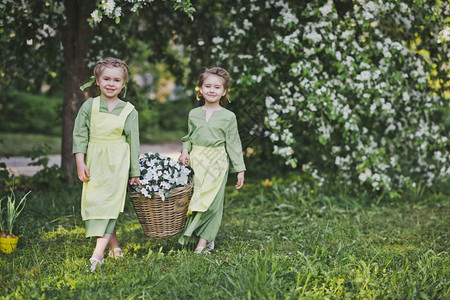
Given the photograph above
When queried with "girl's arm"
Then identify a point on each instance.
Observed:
(234, 151)
(131, 130)
(233, 146)
(81, 128)
(82, 170)
(240, 180)
(185, 158)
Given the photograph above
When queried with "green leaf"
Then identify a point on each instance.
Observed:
(322, 140)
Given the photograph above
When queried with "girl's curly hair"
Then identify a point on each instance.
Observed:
(218, 71)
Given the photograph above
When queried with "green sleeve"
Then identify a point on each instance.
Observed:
(131, 130)
(186, 140)
(81, 128)
(234, 147)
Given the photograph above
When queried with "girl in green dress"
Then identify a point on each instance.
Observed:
(213, 148)
(106, 148)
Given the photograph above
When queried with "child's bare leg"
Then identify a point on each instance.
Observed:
(114, 245)
(99, 251)
(113, 242)
(201, 244)
(102, 243)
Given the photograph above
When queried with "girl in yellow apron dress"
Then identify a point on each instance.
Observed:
(213, 148)
(106, 148)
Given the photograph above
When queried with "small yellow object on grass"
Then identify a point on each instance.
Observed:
(8, 244)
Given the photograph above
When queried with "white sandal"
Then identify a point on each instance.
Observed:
(112, 253)
(95, 262)
(205, 250)
(210, 245)
(199, 250)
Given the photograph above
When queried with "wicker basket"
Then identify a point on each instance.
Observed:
(161, 219)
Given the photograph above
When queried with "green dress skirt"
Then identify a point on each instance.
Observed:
(210, 166)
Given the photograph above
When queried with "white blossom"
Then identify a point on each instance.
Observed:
(217, 40)
(118, 12)
(444, 35)
(364, 76)
(108, 6)
(96, 16)
(314, 36)
(326, 9)
(159, 174)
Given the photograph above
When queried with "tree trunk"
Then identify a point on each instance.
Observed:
(75, 36)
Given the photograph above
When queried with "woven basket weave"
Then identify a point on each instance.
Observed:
(161, 219)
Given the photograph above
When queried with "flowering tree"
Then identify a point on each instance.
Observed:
(113, 8)
(53, 41)
(347, 97)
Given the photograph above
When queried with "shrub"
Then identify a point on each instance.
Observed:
(24, 112)
(347, 97)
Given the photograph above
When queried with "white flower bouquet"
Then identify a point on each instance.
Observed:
(160, 174)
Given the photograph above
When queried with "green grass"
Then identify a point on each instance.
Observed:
(276, 242)
(22, 144)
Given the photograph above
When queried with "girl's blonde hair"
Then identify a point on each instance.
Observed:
(218, 71)
(111, 62)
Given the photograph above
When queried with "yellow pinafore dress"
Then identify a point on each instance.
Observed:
(108, 162)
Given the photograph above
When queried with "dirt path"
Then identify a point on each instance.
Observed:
(19, 165)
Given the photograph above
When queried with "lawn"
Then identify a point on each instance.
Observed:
(279, 240)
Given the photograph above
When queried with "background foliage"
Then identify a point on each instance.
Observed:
(349, 92)
(27, 113)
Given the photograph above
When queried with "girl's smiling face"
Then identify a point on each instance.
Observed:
(212, 89)
(111, 83)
